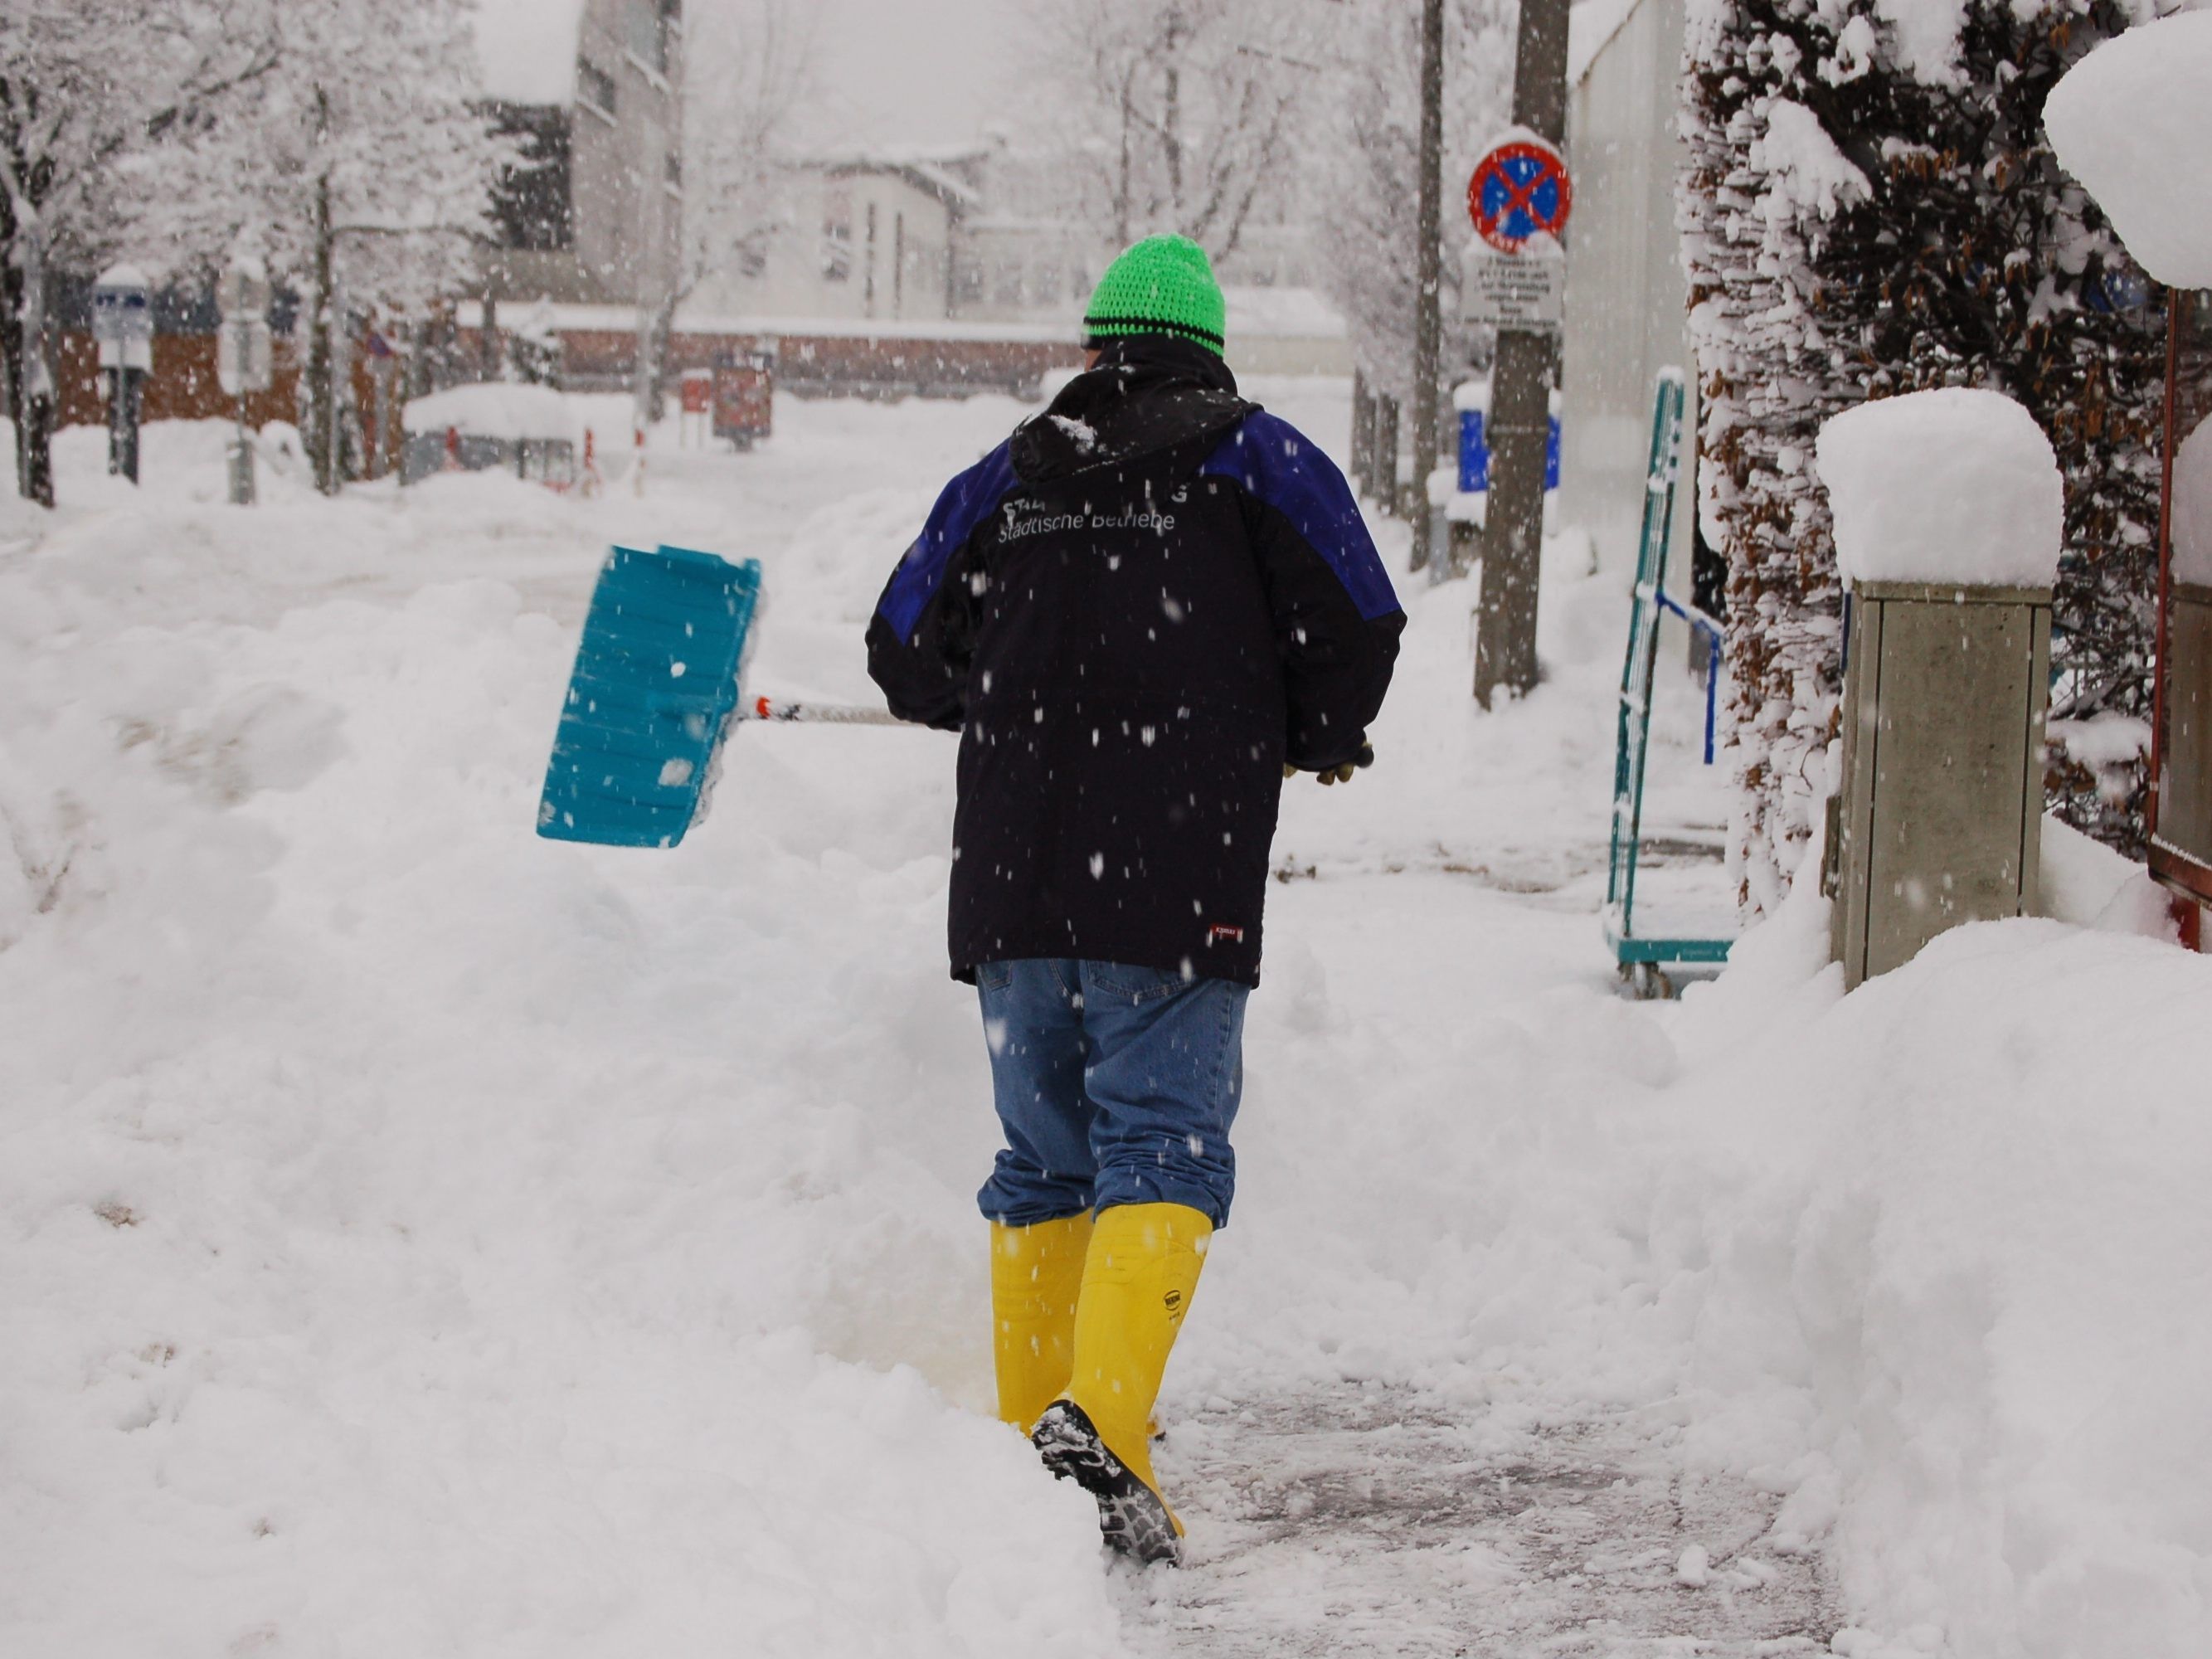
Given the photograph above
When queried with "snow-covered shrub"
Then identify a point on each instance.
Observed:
(1870, 207)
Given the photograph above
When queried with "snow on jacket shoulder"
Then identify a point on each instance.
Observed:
(1134, 610)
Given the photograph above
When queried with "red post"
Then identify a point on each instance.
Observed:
(452, 449)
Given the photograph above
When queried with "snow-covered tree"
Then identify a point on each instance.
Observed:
(96, 97)
(751, 69)
(1364, 162)
(363, 172)
(1181, 111)
(1870, 208)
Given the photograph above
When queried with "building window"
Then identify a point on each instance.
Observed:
(531, 203)
(837, 239)
(595, 87)
(645, 33)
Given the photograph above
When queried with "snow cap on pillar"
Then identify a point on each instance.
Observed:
(1955, 486)
(2133, 122)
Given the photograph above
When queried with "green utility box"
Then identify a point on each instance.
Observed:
(1939, 818)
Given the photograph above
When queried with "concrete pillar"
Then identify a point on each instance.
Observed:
(1940, 821)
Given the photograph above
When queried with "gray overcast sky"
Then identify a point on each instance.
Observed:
(918, 71)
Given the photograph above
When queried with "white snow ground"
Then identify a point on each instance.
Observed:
(417, 1237)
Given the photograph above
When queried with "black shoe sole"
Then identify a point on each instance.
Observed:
(1131, 1516)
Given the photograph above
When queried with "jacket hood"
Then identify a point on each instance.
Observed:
(1146, 394)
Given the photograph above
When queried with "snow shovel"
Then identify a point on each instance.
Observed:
(650, 699)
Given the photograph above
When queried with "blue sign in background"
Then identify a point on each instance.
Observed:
(1475, 454)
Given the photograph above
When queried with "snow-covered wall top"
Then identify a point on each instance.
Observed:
(526, 49)
(495, 409)
(1591, 25)
(1952, 487)
(2133, 122)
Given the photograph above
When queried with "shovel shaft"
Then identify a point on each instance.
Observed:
(823, 714)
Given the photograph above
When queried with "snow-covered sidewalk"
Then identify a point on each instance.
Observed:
(419, 1238)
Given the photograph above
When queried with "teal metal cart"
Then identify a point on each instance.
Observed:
(1643, 959)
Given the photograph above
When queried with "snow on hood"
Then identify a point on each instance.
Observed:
(2131, 121)
(526, 49)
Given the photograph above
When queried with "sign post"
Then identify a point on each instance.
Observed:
(123, 323)
(244, 359)
(1514, 276)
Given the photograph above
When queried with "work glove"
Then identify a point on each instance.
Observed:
(1339, 773)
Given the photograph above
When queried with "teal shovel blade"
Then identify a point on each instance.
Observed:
(654, 688)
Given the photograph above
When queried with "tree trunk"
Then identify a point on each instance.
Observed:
(30, 380)
(1122, 190)
(322, 381)
(1171, 135)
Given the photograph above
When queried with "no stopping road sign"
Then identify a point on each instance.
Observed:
(1520, 190)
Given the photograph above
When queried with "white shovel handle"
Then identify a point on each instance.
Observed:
(823, 714)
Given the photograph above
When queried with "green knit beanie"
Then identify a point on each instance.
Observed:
(1162, 285)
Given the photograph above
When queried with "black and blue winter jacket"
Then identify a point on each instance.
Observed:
(1134, 610)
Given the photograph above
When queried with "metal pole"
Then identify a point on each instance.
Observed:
(128, 383)
(118, 437)
(1521, 404)
(1428, 329)
(1386, 455)
(241, 460)
(1363, 436)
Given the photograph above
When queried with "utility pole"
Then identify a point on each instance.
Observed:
(1520, 404)
(1428, 329)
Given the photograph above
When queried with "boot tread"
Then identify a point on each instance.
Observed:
(1131, 1518)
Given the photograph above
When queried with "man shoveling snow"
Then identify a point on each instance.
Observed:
(1142, 611)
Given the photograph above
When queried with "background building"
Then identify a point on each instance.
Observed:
(1627, 300)
(593, 88)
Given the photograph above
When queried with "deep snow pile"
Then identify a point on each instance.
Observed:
(2132, 123)
(422, 1237)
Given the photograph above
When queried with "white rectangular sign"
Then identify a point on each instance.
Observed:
(1511, 290)
(245, 360)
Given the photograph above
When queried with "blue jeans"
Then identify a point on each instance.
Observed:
(1114, 1085)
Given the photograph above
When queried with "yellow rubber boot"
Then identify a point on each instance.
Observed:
(1137, 1281)
(1036, 1273)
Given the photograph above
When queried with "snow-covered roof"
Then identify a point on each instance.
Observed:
(526, 49)
(1591, 25)
(930, 170)
(2132, 121)
(623, 319)
(494, 410)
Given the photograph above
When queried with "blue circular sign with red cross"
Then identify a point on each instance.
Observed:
(1519, 189)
